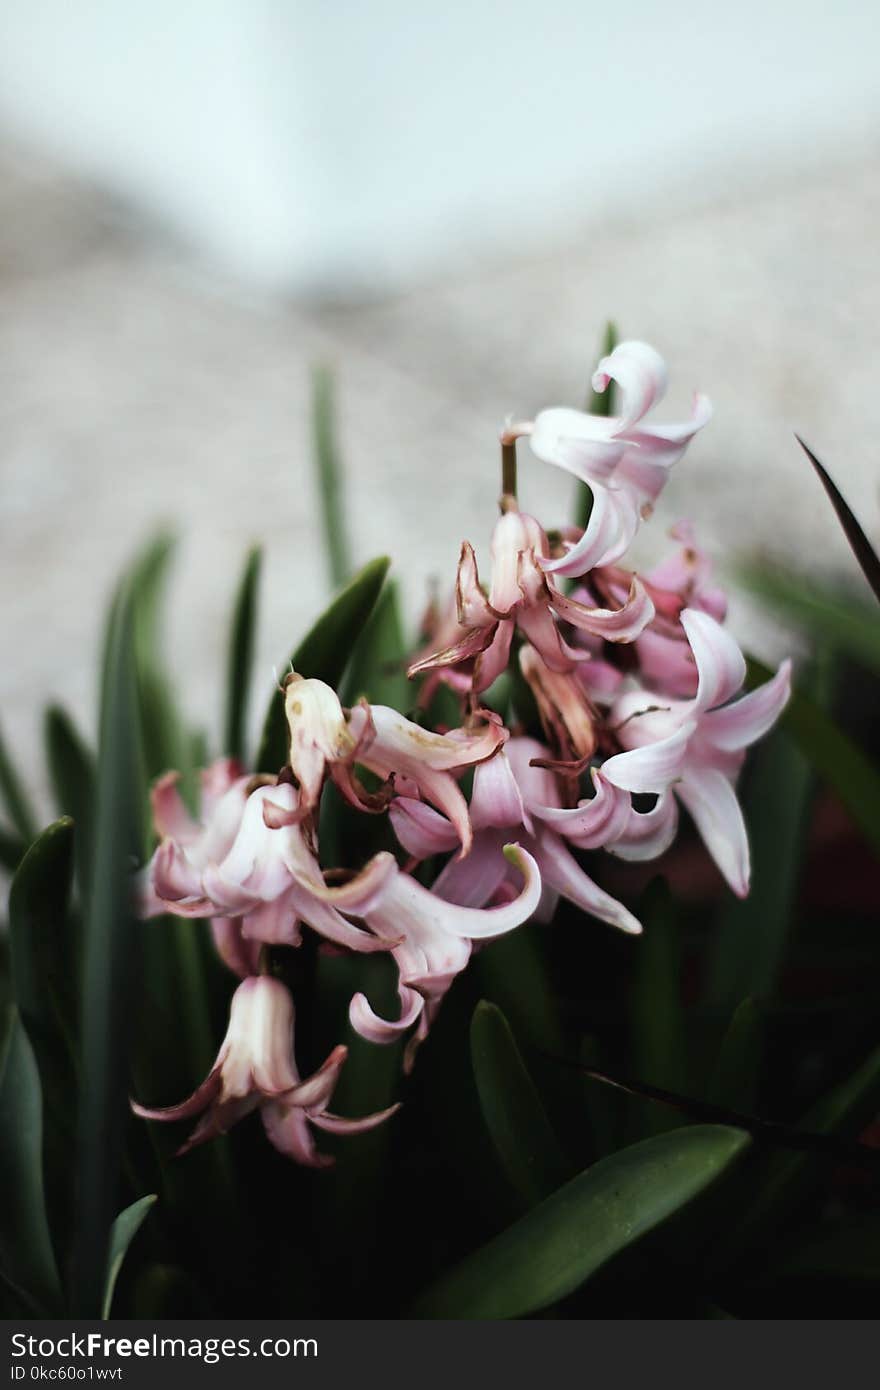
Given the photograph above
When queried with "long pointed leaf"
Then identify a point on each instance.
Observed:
(324, 652)
(658, 1030)
(123, 1232)
(752, 933)
(524, 1140)
(556, 1246)
(859, 543)
(26, 1256)
(833, 754)
(328, 470)
(14, 797)
(109, 938)
(72, 770)
(241, 656)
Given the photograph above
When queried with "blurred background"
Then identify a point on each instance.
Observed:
(200, 202)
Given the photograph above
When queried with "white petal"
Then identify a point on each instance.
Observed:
(721, 666)
(711, 800)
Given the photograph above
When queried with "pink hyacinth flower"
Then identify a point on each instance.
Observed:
(269, 877)
(623, 459)
(325, 739)
(432, 935)
(514, 794)
(256, 1069)
(697, 747)
(523, 596)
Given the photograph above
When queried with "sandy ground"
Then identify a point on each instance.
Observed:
(136, 391)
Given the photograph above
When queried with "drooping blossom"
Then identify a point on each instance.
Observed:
(256, 1069)
(523, 596)
(697, 747)
(224, 791)
(432, 934)
(623, 458)
(517, 793)
(269, 877)
(325, 739)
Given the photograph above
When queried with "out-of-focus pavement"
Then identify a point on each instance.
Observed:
(134, 390)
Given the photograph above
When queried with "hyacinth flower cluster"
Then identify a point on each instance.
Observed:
(638, 690)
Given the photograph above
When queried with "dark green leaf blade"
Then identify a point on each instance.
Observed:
(241, 655)
(26, 1256)
(658, 1029)
(122, 1233)
(556, 1246)
(785, 1178)
(108, 967)
(752, 933)
(524, 1140)
(734, 1077)
(72, 771)
(14, 796)
(859, 543)
(832, 753)
(328, 470)
(324, 652)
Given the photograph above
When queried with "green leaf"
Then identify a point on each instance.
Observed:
(328, 470)
(164, 741)
(658, 1031)
(26, 1256)
(833, 755)
(848, 1250)
(786, 1178)
(845, 624)
(734, 1079)
(122, 1233)
(42, 959)
(72, 771)
(324, 653)
(11, 850)
(517, 1122)
(859, 543)
(556, 1246)
(752, 933)
(378, 662)
(108, 968)
(14, 797)
(241, 655)
(598, 403)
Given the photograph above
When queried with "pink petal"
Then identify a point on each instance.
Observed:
(340, 1124)
(613, 523)
(170, 815)
(749, 718)
(657, 447)
(493, 660)
(200, 1099)
(561, 872)
(640, 374)
(591, 824)
(239, 955)
(287, 1129)
(582, 444)
(472, 882)
(471, 603)
(496, 799)
(652, 768)
(713, 805)
(648, 834)
(421, 830)
(612, 625)
(721, 665)
(365, 1021)
(538, 625)
(472, 641)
